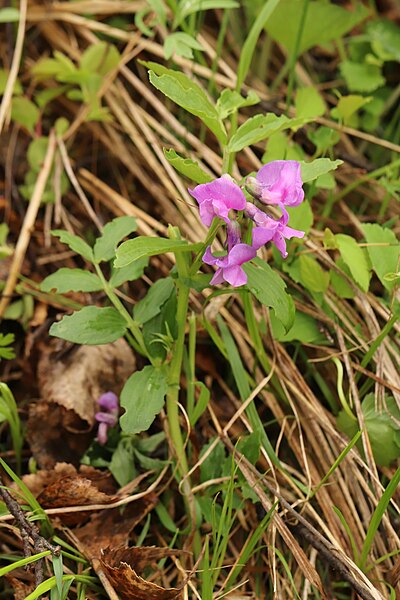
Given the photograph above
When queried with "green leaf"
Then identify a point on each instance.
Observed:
(384, 259)
(362, 77)
(323, 138)
(316, 168)
(181, 44)
(230, 101)
(382, 427)
(189, 95)
(339, 284)
(100, 58)
(122, 464)
(131, 250)
(304, 330)
(201, 403)
(129, 273)
(91, 325)
(75, 243)
(258, 128)
(269, 289)
(309, 103)
(190, 7)
(113, 233)
(151, 304)
(348, 106)
(247, 51)
(4, 75)
(9, 15)
(187, 167)
(142, 398)
(44, 97)
(71, 280)
(25, 113)
(313, 277)
(302, 216)
(324, 22)
(385, 39)
(355, 258)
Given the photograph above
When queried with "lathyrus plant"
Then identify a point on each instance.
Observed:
(239, 214)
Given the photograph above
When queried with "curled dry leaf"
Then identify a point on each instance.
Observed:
(21, 589)
(77, 379)
(63, 486)
(123, 567)
(70, 383)
(110, 527)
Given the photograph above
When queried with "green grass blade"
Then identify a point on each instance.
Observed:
(23, 562)
(377, 517)
(249, 46)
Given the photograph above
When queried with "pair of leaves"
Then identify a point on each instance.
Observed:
(189, 95)
(382, 427)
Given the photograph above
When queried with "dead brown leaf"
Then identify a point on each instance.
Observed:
(21, 589)
(77, 379)
(123, 565)
(111, 527)
(63, 486)
(70, 380)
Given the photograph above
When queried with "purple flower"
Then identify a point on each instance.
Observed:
(278, 182)
(108, 417)
(230, 266)
(269, 230)
(217, 198)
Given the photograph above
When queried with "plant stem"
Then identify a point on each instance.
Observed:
(137, 341)
(296, 53)
(175, 368)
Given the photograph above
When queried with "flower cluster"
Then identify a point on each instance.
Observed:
(107, 417)
(278, 183)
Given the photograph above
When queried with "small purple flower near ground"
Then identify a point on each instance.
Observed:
(217, 198)
(278, 182)
(269, 230)
(108, 416)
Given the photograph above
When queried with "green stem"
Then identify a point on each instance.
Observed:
(368, 177)
(212, 232)
(296, 52)
(136, 340)
(175, 368)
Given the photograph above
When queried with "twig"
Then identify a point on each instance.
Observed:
(28, 531)
(19, 44)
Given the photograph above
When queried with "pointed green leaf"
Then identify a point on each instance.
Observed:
(258, 128)
(188, 94)
(355, 258)
(131, 250)
(269, 289)
(314, 169)
(91, 325)
(383, 252)
(131, 272)
(113, 233)
(142, 398)
(71, 280)
(187, 167)
(76, 243)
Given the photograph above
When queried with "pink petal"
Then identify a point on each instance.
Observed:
(280, 243)
(235, 276)
(240, 254)
(289, 232)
